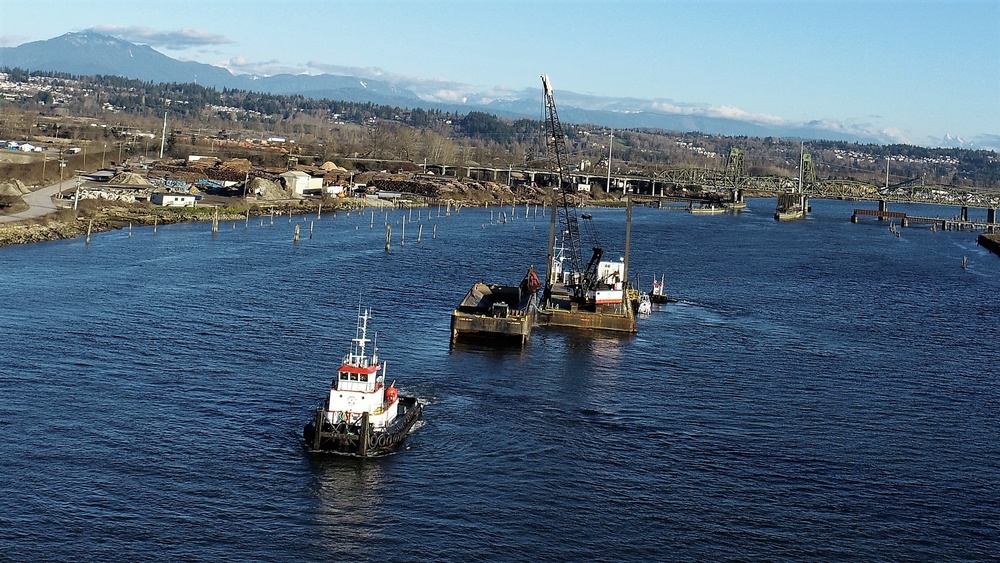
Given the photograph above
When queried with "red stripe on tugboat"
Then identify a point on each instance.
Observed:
(361, 416)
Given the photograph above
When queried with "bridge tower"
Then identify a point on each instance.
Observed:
(736, 166)
(808, 169)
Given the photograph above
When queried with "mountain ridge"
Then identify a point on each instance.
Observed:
(90, 53)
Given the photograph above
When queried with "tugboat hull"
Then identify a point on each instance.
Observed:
(349, 439)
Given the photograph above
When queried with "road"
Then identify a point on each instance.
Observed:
(40, 202)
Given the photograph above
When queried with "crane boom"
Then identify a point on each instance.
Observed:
(566, 210)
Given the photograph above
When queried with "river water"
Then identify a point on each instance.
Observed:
(822, 391)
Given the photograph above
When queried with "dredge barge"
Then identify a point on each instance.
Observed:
(362, 416)
(595, 296)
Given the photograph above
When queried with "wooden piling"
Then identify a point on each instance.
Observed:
(90, 225)
(402, 233)
(296, 236)
(435, 235)
(311, 224)
(155, 217)
(420, 231)
(130, 229)
(246, 225)
(388, 236)
(319, 212)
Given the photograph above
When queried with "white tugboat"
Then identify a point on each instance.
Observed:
(362, 416)
(659, 294)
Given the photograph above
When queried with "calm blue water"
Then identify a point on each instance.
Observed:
(823, 391)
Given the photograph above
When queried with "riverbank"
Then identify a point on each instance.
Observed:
(96, 216)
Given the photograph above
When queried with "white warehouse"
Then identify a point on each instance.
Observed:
(297, 182)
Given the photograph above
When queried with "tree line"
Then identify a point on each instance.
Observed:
(330, 128)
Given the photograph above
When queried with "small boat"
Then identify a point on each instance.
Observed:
(711, 209)
(658, 295)
(497, 313)
(362, 416)
(645, 306)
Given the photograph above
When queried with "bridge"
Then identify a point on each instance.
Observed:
(728, 186)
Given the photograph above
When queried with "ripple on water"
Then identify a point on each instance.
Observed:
(818, 376)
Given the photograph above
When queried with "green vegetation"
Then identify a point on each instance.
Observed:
(208, 120)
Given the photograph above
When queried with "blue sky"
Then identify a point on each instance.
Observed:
(912, 70)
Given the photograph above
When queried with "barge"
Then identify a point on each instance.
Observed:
(497, 314)
(592, 296)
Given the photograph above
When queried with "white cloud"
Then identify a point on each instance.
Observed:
(724, 112)
(240, 65)
(175, 40)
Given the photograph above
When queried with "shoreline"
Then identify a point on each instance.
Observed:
(67, 224)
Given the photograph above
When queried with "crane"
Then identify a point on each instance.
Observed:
(585, 279)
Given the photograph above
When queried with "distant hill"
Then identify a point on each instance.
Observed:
(89, 53)
(94, 53)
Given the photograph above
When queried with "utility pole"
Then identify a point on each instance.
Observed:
(79, 180)
(62, 164)
(611, 144)
(163, 136)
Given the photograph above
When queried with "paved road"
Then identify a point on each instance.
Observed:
(40, 202)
